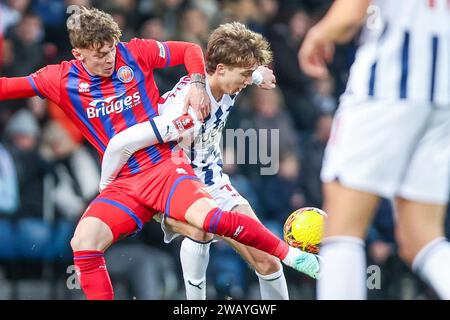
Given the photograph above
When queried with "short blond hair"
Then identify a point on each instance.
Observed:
(234, 45)
(92, 29)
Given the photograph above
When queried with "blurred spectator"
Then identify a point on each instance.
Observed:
(285, 39)
(23, 134)
(153, 28)
(268, 12)
(210, 8)
(11, 12)
(313, 150)
(281, 194)
(77, 173)
(245, 11)
(122, 17)
(9, 192)
(269, 113)
(27, 48)
(168, 10)
(194, 27)
(52, 12)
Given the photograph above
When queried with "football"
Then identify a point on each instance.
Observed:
(303, 229)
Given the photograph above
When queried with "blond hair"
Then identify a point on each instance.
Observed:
(92, 29)
(232, 44)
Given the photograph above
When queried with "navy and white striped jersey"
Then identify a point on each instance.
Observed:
(204, 151)
(404, 52)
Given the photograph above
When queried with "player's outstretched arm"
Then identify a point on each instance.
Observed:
(339, 25)
(16, 88)
(170, 126)
(121, 147)
(191, 56)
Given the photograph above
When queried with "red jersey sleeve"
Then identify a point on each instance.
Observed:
(15, 88)
(46, 82)
(155, 54)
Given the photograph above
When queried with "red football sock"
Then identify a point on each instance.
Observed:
(92, 274)
(245, 230)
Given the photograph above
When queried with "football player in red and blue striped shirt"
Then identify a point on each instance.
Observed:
(106, 89)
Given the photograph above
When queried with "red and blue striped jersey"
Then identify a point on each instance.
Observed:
(104, 106)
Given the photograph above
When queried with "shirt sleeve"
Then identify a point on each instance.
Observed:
(155, 54)
(121, 147)
(16, 88)
(46, 82)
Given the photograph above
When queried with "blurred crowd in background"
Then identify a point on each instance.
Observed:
(49, 174)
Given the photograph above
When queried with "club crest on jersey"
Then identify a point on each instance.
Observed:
(84, 87)
(125, 74)
(184, 122)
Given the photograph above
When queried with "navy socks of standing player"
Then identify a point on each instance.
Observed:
(93, 276)
(245, 230)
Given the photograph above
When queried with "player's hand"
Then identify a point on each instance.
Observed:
(198, 99)
(269, 81)
(315, 52)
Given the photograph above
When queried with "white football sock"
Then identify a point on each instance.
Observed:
(273, 286)
(343, 269)
(432, 263)
(292, 254)
(194, 258)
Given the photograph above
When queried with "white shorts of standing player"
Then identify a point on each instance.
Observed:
(391, 148)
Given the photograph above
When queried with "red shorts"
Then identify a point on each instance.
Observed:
(129, 202)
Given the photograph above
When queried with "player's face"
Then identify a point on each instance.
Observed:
(235, 79)
(98, 62)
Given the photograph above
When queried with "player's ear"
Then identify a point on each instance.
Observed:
(77, 54)
(220, 69)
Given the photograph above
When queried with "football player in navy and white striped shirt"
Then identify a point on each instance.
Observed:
(390, 138)
(227, 75)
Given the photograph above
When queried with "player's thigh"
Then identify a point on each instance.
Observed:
(224, 196)
(173, 188)
(427, 178)
(371, 142)
(112, 216)
(349, 211)
(187, 230)
(417, 224)
(91, 233)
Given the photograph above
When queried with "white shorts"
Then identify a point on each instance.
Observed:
(225, 196)
(390, 148)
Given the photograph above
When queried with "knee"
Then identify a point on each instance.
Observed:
(83, 241)
(267, 264)
(199, 235)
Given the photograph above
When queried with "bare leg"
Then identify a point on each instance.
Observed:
(422, 244)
